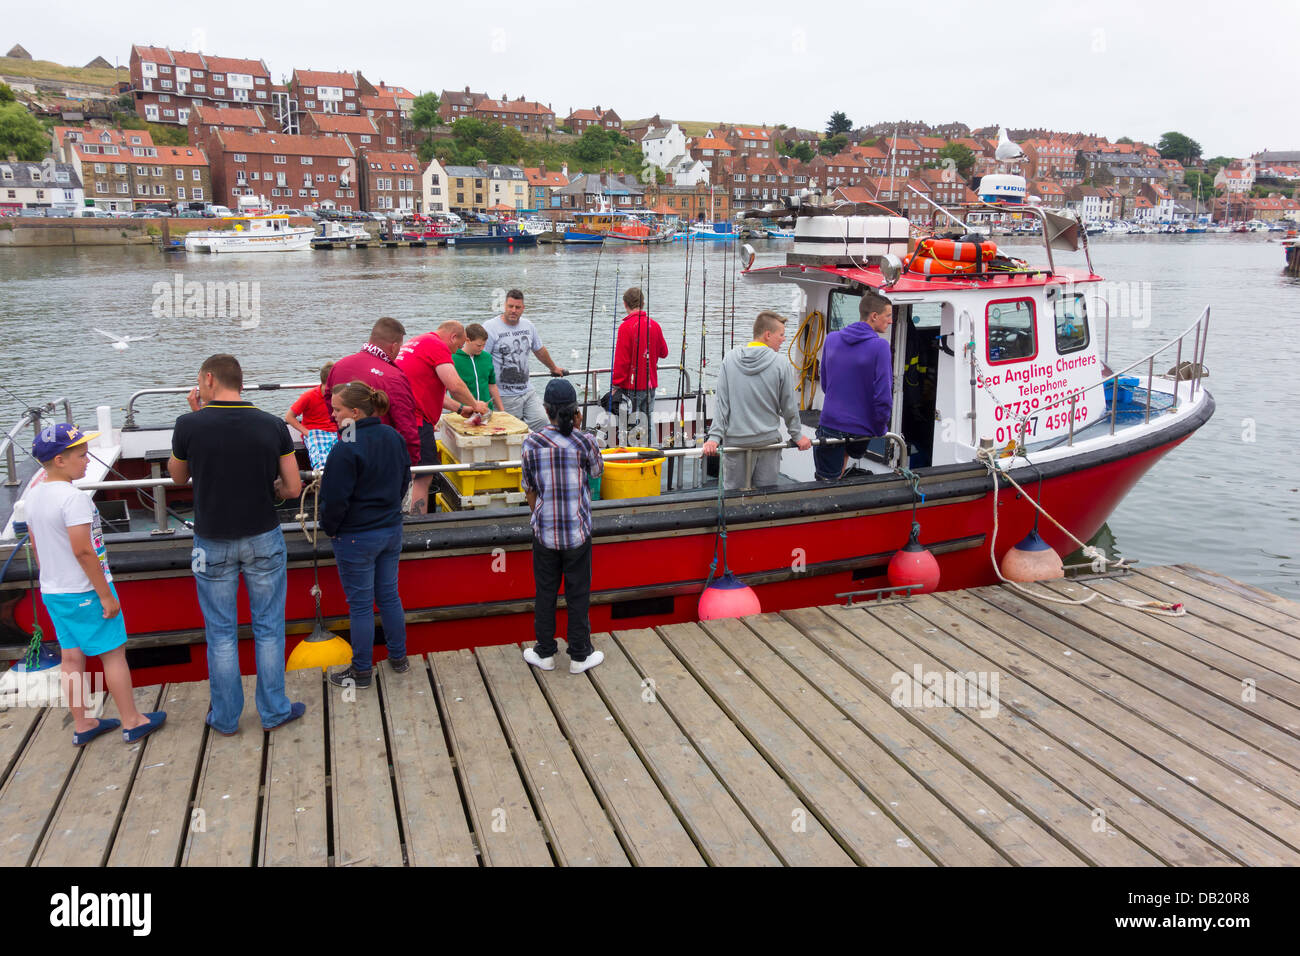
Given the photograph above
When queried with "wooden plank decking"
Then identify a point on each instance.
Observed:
(1112, 737)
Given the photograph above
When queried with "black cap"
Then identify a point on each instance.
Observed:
(560, 391)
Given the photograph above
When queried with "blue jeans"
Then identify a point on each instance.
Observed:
(217, 563)
(367, 563)
(830, 460)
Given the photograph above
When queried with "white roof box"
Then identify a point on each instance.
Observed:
(848, 240)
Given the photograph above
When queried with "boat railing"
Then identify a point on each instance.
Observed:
(33, 417)
(1199, 331)
(129, 423)
(898, 453)
(602, 371)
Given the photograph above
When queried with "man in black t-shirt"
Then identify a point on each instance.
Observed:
(241, 459)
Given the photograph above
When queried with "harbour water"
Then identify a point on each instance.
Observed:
(1227, 499)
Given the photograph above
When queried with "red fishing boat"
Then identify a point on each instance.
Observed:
(1001, 374)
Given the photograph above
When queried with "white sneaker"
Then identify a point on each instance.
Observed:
(545, 663)
(594, 658)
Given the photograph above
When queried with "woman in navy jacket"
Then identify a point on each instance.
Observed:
(366, 477)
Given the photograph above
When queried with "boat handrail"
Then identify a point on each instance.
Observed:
(597, 371)
(185, 390)
(895, 440)
(1201, 329)
(31, 416)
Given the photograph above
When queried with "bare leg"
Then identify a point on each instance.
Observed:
(420, 494)
(75, 680)
(117, 675)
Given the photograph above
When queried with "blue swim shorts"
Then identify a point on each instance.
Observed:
(79, 622)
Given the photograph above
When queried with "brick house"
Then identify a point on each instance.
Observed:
(360, 131)
(842, 169)
(290, 171)
(758, 180)
(168, 85)
(749, 140)
(390, 119)
(524, 115)
(390, 181)
(699, 203)
(579, 120)
(1048, 158)
(542, 183)
(710, 149)
(206, 120)
(588, 191)
(466, 189)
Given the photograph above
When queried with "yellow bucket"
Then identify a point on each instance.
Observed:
(631, 479)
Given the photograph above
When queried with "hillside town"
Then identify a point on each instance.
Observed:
(330, 140)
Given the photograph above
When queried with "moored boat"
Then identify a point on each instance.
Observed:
(1002, 375)
(269, 233)
(494, 234)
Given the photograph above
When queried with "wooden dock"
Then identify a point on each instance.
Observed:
(1112, 737)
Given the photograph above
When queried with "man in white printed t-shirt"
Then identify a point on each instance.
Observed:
(511, 338)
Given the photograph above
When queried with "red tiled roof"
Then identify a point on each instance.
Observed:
(284, 143)
(180, 156)
(512, 106)
(226, 64)
(904, 142)
(854, 194)
(323, 78)
(400, 92)
(552, 178)
(193, 61)
(931, 142)
(154, 54)
(378, 103)
(711, 142)
(117, 137)
(584, 115)
(344, 123)
(749, 132)
(228, 116)
(401, 161)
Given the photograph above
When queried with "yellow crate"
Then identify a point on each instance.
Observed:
(478, 482)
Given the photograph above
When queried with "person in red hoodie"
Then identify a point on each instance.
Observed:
(637, 352)
(375, 365)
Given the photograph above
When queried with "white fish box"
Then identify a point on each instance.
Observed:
(450, 501)
(501, 439)
(846, 240)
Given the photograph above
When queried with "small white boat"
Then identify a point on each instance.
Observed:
(536, 225)
(252, 234)
(340, 234)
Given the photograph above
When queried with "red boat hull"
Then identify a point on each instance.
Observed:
(795, 564)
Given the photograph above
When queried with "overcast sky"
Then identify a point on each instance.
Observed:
(1224, 74)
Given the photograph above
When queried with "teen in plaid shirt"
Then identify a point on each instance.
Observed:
(557, 461)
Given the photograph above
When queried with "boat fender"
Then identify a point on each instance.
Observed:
(728, 596)
(1032, 560)
(914, 565)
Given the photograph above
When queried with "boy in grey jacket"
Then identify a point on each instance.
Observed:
(755, 391)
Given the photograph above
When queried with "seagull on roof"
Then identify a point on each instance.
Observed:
(1007, 151)
(122, 342)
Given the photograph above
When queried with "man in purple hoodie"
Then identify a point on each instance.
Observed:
(858, 379)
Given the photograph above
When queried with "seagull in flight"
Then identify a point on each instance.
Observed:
(122, 342)
(1007, 151)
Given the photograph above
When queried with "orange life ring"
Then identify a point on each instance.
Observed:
(955, 251)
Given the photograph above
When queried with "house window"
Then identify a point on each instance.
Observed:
(99, 188)
(200, 88)
(196, 177)
(279, 160)
(196, 193)
(142, 190)
(101, 168)
(180, 192)
(180, 175)
(119, 169)
(1010, 330)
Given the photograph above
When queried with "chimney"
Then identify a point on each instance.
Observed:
(564, 170)
(467, 89)
(541, 168)
(482, 164)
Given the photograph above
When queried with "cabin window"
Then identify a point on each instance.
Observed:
(1071, 323)
(843, 310)
(1010, 330)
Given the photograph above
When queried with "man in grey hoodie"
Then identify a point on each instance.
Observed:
(755, 392)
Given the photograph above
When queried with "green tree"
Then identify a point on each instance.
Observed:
(21, 134)
(1212, 166)
(838, 123)
(962, 156)
(424, 111)
(1175, 145)
(832, 144)
(803, 152)
(1125, 141)
(6, 94)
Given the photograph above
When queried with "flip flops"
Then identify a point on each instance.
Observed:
(104, 726)
(156, 719)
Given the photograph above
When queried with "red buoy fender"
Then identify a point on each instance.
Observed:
(728, 596)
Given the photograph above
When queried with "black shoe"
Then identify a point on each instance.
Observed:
(351, 676)
(400, 665)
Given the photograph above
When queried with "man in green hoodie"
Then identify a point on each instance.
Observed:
(755, 392)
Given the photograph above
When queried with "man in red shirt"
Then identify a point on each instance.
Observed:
(375, 366)
(426, 362)
(637, 353)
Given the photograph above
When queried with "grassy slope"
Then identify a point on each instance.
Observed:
(45, 70)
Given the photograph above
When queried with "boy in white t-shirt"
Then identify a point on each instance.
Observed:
(77, 586)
